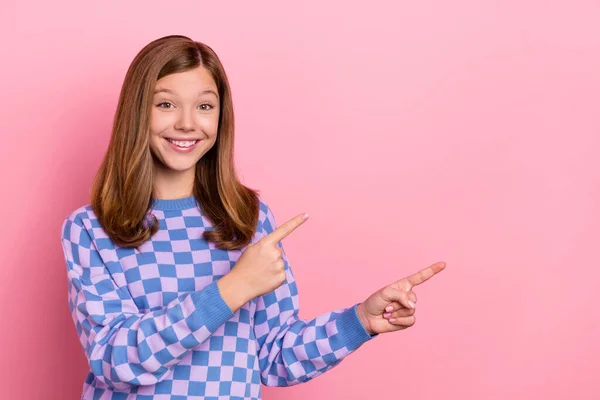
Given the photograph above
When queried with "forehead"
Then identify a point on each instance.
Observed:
(192, 82)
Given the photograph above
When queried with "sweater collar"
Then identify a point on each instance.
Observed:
(184, 203)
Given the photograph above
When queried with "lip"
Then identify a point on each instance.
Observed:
(183, 139)
(181, 149)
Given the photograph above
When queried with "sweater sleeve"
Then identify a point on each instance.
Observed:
(293, 350)
(126, 347)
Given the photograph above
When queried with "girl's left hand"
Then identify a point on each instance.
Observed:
(392, 308)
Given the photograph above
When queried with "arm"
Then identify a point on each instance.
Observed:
(123, 345)
(292, 350)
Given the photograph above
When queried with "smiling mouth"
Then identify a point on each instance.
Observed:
(184, 144)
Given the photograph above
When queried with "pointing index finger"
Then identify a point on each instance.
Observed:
(425, 274)
(285, 229)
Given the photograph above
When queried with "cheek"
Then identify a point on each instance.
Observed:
(158, 122)
(210, 125)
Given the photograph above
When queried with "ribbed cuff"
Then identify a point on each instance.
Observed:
(211, 309)
(351, 329)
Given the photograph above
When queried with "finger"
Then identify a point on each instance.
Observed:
(392, 294)
(412, 296)
(425, 274)
(285, 229)
(393, 306)
(404, 321)
(403, 312)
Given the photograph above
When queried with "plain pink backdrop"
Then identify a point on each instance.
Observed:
(412, 132)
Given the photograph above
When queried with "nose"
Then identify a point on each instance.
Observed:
(185, 122)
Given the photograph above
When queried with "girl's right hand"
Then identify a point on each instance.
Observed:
(260, 268)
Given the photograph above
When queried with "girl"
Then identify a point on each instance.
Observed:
(179, 287)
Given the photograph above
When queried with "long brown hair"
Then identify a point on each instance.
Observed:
(122, 190)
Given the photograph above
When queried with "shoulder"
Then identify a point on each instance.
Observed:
(264, 209)
(81, 219)
(266, 217)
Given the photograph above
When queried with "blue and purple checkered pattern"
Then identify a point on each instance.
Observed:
(153, 324)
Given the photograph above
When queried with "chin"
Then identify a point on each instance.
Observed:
(180, 168)
(173, 165)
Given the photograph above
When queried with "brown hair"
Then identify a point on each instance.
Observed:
(122, 190)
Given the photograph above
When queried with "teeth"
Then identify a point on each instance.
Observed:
(186, 143)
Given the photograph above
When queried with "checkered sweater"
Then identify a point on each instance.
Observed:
(153, 324)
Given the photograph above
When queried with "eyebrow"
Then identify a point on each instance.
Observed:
(199, 94)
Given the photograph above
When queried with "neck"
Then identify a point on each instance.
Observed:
(170, 184)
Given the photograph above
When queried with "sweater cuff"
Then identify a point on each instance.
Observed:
(351, 329)
(211, 309)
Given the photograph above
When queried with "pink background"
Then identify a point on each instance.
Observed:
(412, 132)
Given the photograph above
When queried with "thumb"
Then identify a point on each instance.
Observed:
(392, 294)
(395, 306)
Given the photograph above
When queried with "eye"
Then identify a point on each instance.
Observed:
(209, 106)
(165, 102)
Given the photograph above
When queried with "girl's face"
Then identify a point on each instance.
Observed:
(184, 119)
